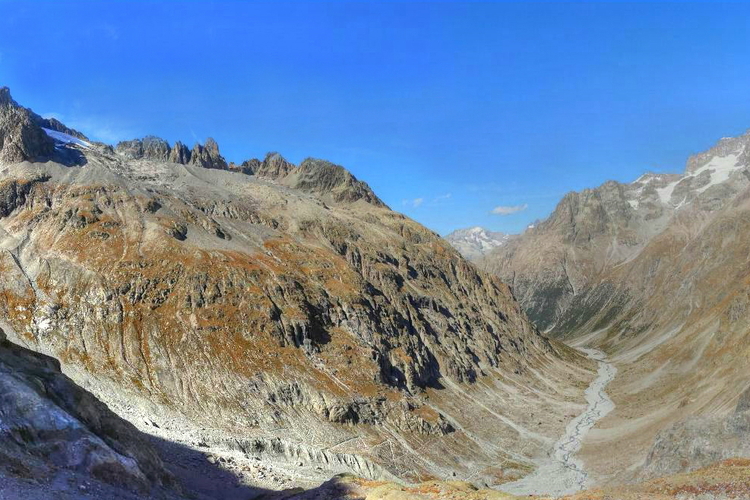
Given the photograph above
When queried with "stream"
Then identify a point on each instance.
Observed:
(561, 473)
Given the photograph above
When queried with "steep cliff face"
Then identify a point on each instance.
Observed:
(20, 137)
(656, 273)
(290, 305)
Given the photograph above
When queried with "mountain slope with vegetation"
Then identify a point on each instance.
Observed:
(656, 273)
(280, 310)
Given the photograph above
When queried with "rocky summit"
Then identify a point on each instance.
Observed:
(277, 319)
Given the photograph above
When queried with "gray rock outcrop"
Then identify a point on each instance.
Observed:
(274, 166)
(208, 156)
(331, 181)
(21, 139)
(179, 154)
(700, 441)
(247, 167)
(148, 148)
(50, 423)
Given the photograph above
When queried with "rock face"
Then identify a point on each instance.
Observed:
(156, 149)
(130, 149)
(330, 182)
(179, 154)
(248, 167)
(654, 272)
(700, 441)
(274, 166)
(50, 424)
(299, 311)
(476, 242)
(148, 148)
(21, 139)
(207, 156)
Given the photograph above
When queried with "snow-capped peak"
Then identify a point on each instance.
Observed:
(474, 242)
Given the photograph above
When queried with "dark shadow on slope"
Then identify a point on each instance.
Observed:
(202, 479)
(68, 156)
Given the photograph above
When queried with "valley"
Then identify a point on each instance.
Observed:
(654, 273)
(272, 330)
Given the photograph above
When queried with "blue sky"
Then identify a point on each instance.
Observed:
(449, 110)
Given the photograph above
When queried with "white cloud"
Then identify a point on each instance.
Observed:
(507, 210)
(427, 202)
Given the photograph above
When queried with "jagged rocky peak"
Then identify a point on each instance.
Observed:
(274, 166)
(179, 154)
(331, 181)
(21, 138)
(148, 148)
(208, 156)
(130, 149)
(155, 148)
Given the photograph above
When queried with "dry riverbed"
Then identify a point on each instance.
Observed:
(561, 472)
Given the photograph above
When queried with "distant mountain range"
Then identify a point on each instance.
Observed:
(475, 242)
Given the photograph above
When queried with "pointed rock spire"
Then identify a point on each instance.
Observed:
(179, 154)
(208, 156)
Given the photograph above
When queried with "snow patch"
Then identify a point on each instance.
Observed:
(66, 138)
(721, 169)
(665, 193)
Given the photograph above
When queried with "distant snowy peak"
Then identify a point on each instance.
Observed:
(716, 172)
(475, 242)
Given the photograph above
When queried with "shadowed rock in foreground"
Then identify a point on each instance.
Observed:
(50, 426)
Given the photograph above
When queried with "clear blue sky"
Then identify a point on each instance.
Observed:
(465, 106)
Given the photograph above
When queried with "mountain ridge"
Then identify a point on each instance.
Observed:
(283, 305)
